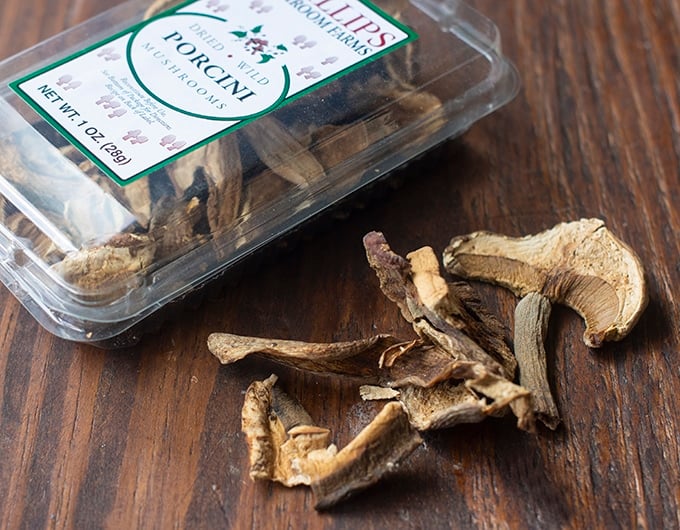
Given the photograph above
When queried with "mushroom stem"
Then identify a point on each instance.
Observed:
(531, 325)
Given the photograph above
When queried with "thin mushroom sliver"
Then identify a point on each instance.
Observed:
(381, 359)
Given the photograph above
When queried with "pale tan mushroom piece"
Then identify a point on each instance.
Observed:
(284, 446)
(580, 264)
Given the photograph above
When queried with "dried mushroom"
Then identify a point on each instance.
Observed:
(353, 359)
(458, 305)
(158, 6)
(381, 359)
(284, 446)
(579, 264)
(458, 369)
(436, 315)
(441, 407)
(451, 327)
(100, 267)
(282, 152)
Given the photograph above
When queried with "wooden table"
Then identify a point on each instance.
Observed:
(149, 437)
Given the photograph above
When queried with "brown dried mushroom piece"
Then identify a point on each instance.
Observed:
(443, 352)
(20, 225)
(334, 144)
(425, 301)
(580, 264)
(441, 407)
(282, 152)
(97, 268)
(218, 165)
(457, 304)
(381, 359)
(353, 359)
(285, 447)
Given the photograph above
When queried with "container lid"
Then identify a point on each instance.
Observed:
(149, 149)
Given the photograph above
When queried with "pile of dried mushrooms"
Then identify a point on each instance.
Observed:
(459, 367)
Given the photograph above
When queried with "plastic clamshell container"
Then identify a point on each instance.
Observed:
(92, 256)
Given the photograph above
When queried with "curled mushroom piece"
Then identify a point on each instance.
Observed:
(580, 264)
(284, 446)
(282, 152)
(357, 359)
(442, 319)
(96, 269)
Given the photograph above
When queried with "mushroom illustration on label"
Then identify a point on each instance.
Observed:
(580, 264)
(117, 113)
(64, 79)
(109, 54)
(73, 85)
(167, 140)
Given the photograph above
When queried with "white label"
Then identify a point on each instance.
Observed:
(140, 99)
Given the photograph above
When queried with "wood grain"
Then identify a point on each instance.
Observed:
(149, 437)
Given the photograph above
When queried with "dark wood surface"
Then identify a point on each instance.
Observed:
(149, 437)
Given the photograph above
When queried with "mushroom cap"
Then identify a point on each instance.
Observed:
(580, 264)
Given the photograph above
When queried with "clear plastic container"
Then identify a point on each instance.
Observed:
(92, 251)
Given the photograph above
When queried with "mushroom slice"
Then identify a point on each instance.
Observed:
(459, 306)
(580, 264)
(115, 263)
(531, 326)
(375, 451)
(282, 152)
(380, 359)
(285, 447)
(158, 6)
(357, 358)
(279, 434)
(415, 285)
(333, 145)
(444, 406)
(425, 300)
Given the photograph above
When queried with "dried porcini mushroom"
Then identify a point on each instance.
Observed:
(458, 369)
(451, 328)
(381, 359)
(282, 152)
(357, 359)
(440, 318)
(458, 305)
(158, 6)
(284, 445)
(119, 259)
(580, 264)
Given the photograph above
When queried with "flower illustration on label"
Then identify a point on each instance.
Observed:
(308, 72)
(117, 113)
(67, 82)
(256, 42)
(64, 79)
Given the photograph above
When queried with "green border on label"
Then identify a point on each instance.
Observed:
(15, 86)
